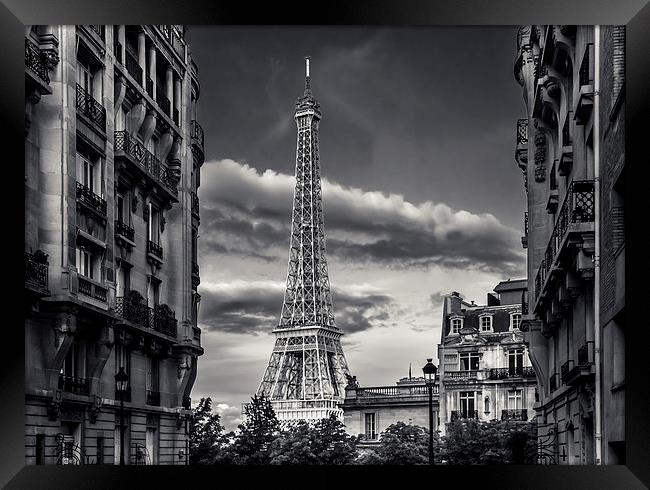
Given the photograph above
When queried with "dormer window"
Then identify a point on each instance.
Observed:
(485, 321)
(456, 325)
(515, 321)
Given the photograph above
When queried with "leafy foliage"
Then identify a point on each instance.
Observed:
(494, 442)
(323, 442)
(402, 444)
(206, 433)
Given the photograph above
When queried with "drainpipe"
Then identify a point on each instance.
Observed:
(597, 331)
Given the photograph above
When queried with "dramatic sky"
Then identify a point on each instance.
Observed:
(421, 192)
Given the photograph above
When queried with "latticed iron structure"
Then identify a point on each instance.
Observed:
(306, 375)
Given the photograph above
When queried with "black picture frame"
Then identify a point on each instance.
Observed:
(635, 14)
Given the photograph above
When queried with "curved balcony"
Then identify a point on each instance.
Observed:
(36, 67)
(198, 141)
(130, 149)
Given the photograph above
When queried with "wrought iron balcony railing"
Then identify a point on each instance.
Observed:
(74, 384)
(160, 318)
(516, 414)
(86, 196)
(155, 249)
(35, 62)
(92, 289)
(463, 415)
(198, 140)
(125, 230)
(522, 132)
(507, 372)
(195, 204)
(90, 108)
(578, 207)
(461, 374)
(145, 159)
(133, 67)
(36, 271)
(153, 398)
(162, 100)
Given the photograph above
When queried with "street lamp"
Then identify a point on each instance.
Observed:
(121, 385)
(429, 371)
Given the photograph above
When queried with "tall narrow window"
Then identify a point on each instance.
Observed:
(486, 323)
(153, 229)
(469, 361)
(515, 321)
(86, 171)
(467, 407)
(85, 262)
(514, 400)
(371, 428)
(515, 361)
(85, 76)
(456, 325)
(122, 280)
(119, 204)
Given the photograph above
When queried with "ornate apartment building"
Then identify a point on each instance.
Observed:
(485, 373)
(368, 411)
(571, 150)
(113, 154)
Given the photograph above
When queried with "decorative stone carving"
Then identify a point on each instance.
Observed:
(540, 155)
(94, 410)
(54, 406)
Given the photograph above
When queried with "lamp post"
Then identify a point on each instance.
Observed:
(429, 371)
(121, 384)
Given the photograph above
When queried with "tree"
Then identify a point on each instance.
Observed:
(255, 435)
(323, 442)
(206, 433)
(493, 442)
(405, 444)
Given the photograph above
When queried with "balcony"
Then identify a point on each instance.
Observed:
(92, 289)
(198, 141)
(196, 278)
(36, 272)
(73, 384)
(458, 415)
(195, 205)
(460, 375)
(521, 152)
(130, 148)
(153, 398)
(509, 373)
(91, 109)
(91, 201)
(524, 239)
(133, 66)
(155, 251)
(583, 370)
(585, 101)
(160, 318)
(520, 414)
(124, 231)
(162, 100)
(175, 37)
(575, 222)
(35, 65)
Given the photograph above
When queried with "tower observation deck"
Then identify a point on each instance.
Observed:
(306, 374)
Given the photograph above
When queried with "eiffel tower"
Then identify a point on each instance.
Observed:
(306, 375)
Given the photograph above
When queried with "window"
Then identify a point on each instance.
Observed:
(514, 400)
(515, 361)
(456, 325)
(122, 358)
(85, 76)
(469, 361)
(467, 408)
(73, 362)
(486, 323)
(86, 262)
(122, 280)
(153, 229)
(153, 292)
(152, 376)
(515, 321)
(40, 448)
(86, 171)
(100, 449)
(371, 426)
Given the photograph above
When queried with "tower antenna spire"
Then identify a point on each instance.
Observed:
(307, 78)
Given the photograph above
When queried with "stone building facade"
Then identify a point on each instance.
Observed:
(368, 411)
(571, 160)
(485, 372)
(113, 154)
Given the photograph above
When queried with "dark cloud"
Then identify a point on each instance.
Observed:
(248, 212)
(254, 307)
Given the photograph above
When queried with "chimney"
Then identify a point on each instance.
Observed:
(455, 302)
